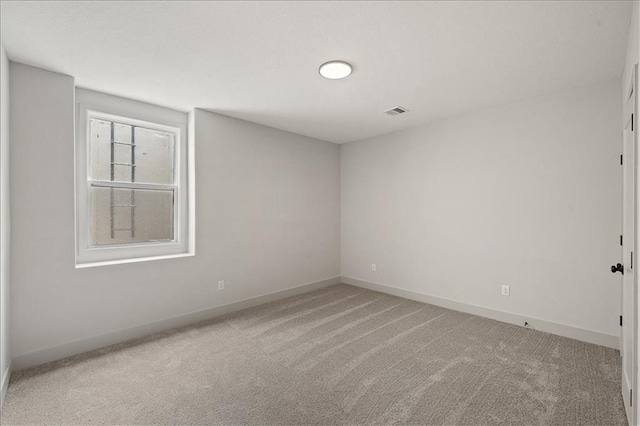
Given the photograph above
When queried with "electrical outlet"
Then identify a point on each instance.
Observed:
(505, 290)
(220, 285)
(374, 268)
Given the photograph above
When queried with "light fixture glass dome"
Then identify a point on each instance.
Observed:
(335, 70)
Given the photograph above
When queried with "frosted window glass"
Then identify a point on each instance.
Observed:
(131, 153)
(128, 216)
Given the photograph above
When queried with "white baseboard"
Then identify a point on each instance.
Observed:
(6, 376)
(572, 332)
(43, 356)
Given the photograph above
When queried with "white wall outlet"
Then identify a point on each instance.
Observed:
(220, 285)
(374, 268)
(505, 290)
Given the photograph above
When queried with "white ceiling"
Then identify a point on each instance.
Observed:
(259, 61)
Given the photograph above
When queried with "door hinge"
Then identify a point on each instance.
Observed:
(620, 239)
(620, 320)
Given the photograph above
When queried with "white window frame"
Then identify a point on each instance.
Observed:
(106, 107)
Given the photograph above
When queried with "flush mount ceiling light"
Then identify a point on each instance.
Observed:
(335, 70)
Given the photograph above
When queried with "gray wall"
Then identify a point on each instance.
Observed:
(267, 216)
(5, 231)
(526, 195)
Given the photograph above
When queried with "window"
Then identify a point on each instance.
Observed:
(132, 181)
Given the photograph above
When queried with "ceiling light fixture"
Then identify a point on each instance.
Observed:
(335, 70)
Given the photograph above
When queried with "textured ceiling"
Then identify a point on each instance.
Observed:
(259, 61)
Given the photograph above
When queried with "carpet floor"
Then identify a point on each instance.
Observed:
(339, 355)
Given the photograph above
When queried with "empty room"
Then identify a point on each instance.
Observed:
(319, 212)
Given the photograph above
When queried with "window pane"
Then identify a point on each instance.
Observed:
(154, 156)
(126, 216)
(124, 153)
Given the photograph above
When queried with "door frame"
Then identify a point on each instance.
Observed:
(635, 82)
(630, 106)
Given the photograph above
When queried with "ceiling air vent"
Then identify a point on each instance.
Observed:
(395, 111)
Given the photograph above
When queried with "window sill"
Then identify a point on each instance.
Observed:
(132, 260)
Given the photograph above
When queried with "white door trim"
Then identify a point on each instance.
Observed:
(629, 390)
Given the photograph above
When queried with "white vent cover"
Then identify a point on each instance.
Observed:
(397, 110)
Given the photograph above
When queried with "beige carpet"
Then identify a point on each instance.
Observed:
(340, 355)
